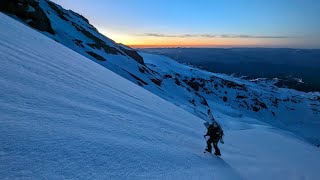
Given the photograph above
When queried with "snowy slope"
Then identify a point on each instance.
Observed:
(74, 31)
(290, 110)
(189, 88)
(63, 116)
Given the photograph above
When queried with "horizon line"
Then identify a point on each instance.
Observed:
(215, 46)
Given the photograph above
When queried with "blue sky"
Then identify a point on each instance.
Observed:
(269, 23)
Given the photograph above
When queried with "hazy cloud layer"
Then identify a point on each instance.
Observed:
(214, 36)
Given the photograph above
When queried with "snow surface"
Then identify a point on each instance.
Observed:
(63, 116)
(286, 109)
(294, 111)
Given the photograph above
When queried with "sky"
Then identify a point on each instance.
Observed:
(204, 23)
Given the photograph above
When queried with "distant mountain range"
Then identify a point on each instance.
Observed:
(293, 68)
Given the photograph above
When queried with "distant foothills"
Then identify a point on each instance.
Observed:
(293, 68)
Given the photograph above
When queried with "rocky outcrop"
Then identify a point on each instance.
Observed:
(133, 54)
(96, 56)
(29, 11)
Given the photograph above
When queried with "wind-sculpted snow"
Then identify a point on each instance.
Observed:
(65, 117)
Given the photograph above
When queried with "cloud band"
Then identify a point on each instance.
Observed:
(214, 36)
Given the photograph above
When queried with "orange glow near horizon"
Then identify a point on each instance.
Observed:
(192, 43)
(209, 23)
(158, 42)
(136, 41)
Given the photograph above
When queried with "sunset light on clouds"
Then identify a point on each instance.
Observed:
(205, 23)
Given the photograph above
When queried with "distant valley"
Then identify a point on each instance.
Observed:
(293, 68)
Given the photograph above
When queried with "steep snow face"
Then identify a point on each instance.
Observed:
(189, 88)
(74, 31)
(63, 116)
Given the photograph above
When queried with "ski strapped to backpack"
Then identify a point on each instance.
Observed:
(217, 128)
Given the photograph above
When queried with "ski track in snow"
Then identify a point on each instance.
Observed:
(64, 116)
